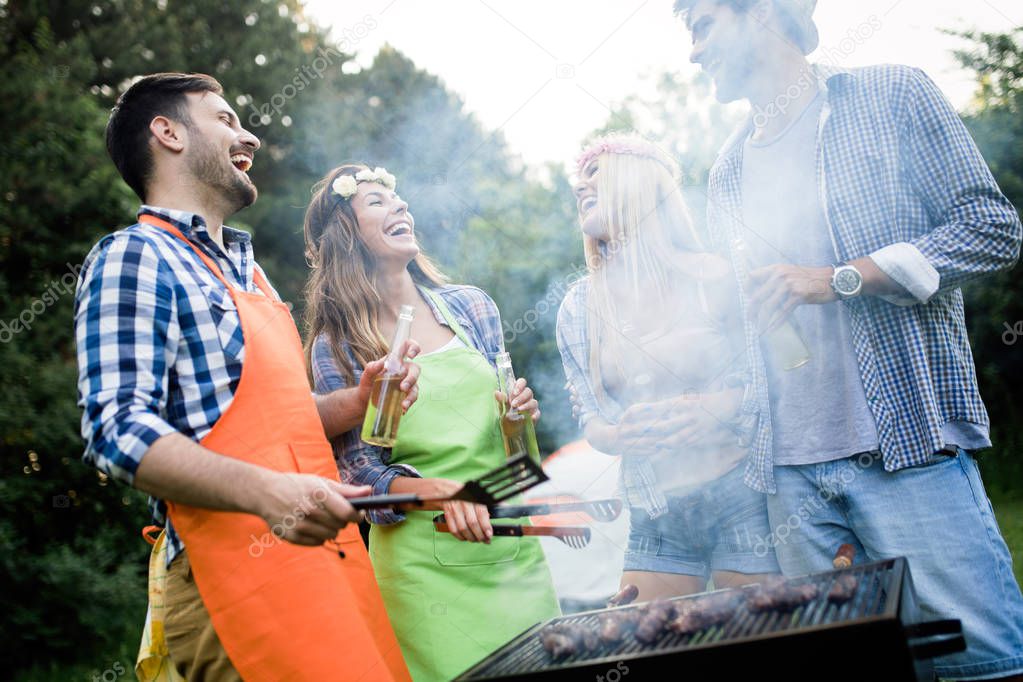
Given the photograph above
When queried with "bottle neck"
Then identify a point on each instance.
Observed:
(505, 382)
(401, 333)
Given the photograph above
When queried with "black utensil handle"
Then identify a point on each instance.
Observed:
(947, 626)
(936, 638)
(441, 524)
(384, 501)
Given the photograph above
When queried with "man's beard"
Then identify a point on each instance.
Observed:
(216, 176)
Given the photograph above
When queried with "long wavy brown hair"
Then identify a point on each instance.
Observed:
(341, 296)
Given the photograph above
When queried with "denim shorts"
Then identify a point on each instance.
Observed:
(713, 528)
(938, 516)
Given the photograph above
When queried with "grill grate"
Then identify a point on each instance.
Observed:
(877, 598)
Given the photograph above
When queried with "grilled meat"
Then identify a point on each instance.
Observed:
(704, 612)
(778, 594)
(844, 588)
(653, 617)
(564, 639)
(616, 625)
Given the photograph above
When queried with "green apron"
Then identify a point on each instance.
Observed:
(451, 602)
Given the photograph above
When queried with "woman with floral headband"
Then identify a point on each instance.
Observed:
(653, 352)
(452, 598)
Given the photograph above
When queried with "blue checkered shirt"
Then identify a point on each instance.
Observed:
(360, 463)
(160, 345)
(901, 181)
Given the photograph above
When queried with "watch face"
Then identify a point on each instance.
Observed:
(847, 281)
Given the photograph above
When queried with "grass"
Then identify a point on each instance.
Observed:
(1010, 518)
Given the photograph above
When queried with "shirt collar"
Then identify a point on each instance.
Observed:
(831, 80)
(192, 224)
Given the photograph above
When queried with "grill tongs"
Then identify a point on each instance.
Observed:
(501, 483)
(575, 537)
(604, 511)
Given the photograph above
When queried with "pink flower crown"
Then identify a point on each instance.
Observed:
(622, 144)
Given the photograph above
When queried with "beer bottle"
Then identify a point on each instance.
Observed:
(783, 343)
(384, 409)
(516, 427)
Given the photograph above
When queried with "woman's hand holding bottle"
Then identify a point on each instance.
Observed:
(523, 399)
(409, 373)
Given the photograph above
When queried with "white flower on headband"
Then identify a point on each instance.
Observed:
(378, 174)
(345, 186)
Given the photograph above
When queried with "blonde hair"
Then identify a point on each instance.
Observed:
(341, 297)
(639, 200)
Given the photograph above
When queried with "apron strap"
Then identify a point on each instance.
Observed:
(151, 534)
(446, 313)
(260, 281)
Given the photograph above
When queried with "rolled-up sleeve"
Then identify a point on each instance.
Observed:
(125, 332)
(977, 230)
(358, 463)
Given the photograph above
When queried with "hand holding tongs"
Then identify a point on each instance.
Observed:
(501, 483)
(575, 537)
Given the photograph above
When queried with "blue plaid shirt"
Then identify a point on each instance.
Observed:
(360, 463)
(160, 345)
(901, 181)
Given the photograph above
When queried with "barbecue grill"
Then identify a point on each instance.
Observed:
(873, 636)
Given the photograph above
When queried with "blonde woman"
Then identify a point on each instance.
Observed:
(452, 598)
(653, 353)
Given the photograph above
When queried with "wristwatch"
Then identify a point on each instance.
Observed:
(847, 282)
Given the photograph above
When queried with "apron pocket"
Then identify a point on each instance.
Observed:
(450, 551)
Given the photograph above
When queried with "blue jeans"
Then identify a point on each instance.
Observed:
(938, 516)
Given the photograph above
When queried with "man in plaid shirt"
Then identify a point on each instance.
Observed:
(854, 205)
(161, 349)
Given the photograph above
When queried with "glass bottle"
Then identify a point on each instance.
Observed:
(384, 409)
(516, 427)
(783, 343)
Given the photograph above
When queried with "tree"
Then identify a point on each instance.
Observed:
(995, 305)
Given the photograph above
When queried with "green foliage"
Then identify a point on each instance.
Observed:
(73, 566)
(995, 305)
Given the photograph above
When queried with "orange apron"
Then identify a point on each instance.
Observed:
(282, 611)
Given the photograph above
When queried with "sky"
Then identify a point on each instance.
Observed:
(546, 72)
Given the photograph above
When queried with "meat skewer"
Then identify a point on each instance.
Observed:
(844, 556)
(844, 587)
(626, 595)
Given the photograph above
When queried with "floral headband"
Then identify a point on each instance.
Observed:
(346, 185)
(622, 144)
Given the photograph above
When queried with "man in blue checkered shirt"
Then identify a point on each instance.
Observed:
(854, 205)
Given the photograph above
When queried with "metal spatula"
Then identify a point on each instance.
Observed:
(512, 478)
(598, 510)
(575, 537)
